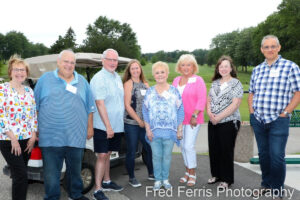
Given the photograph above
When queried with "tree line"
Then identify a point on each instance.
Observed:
(242, 45)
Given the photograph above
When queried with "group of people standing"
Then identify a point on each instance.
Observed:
(70, 111)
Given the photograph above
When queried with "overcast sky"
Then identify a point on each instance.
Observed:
(159, 24)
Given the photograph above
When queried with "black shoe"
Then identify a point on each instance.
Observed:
(134, 183)
(260, 191)
(99, 195)
(151, 177)
(112, 186)
(81, 198)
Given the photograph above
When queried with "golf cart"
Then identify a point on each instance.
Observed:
(86, 64)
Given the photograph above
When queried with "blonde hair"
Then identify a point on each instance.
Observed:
(187, 58)
(16, 60)
(160, 64)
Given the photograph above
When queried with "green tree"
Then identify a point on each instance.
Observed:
(289, 29)
(15, 43)
(201, 56)
(2, 45)
(106, 33)
(244, 54)
(66, 42)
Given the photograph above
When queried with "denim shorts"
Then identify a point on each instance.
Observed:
(103, 145)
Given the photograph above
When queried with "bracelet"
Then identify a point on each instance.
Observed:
(194, 115)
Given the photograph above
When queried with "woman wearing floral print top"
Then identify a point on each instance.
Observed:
(163, 114)
(18, 125)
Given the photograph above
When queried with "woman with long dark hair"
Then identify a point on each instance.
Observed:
(223, 101)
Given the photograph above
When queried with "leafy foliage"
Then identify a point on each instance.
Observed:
(66, 42)
(106, 33)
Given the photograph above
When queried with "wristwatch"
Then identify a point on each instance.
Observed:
(286, 113)
(194, 115)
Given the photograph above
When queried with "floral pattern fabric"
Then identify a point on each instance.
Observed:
(17, 112)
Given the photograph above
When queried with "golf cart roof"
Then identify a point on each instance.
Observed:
(40, 64)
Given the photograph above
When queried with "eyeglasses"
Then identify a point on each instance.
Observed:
(111, 60)
(18, 69)
(270, 47)
(69, 62)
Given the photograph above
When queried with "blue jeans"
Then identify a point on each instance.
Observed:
(271, 141)
(161, 157)
(53, 158)
(133, 134)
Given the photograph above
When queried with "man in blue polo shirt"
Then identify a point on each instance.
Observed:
(107, 88)
(274, 93)
(65, 107)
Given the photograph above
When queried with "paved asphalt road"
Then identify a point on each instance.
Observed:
(244, 181)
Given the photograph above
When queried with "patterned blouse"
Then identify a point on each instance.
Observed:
(17, 112)
(163, 112)
(221, 97)
(137, 96)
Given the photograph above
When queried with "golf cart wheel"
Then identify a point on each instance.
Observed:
(87, 176)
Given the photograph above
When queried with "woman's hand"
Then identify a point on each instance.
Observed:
(150, 135)
(141, 123)
(179, 134)
(213, 119)
(193, 122)
(30, 144)
(15, 147)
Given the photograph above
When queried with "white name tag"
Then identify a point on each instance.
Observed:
(120, 85)
(223, 86)
(165, 94)
(143, 92)
(192, 80)
(274, 73)
(71, 88)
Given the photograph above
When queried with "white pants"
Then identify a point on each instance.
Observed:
(187, 145)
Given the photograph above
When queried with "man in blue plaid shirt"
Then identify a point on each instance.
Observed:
(274, 93)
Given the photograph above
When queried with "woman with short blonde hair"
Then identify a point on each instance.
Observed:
(193, 92)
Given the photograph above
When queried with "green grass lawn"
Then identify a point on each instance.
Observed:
(206, 72)
(3, 71)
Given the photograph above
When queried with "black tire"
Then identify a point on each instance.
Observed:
(87, 176)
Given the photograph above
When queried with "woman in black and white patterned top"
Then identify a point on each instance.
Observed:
(223, 102)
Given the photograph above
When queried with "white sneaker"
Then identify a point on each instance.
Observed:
(167, 184)
(157, 185)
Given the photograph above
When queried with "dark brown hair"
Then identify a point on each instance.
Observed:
(127, 74)
(16, 60)
(233, 72)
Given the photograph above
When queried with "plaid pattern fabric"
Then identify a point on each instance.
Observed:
(273, 88)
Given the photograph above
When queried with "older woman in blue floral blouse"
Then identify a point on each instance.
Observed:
(163, 114)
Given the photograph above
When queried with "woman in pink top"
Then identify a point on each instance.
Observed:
(193, 91)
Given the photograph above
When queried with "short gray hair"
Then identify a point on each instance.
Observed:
(107, 50)
(65, 51)
(268, 37)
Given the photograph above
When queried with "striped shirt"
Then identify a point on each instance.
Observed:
(273, 88)
(62, 112)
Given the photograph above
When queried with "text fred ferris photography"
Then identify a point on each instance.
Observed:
(185, 192)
